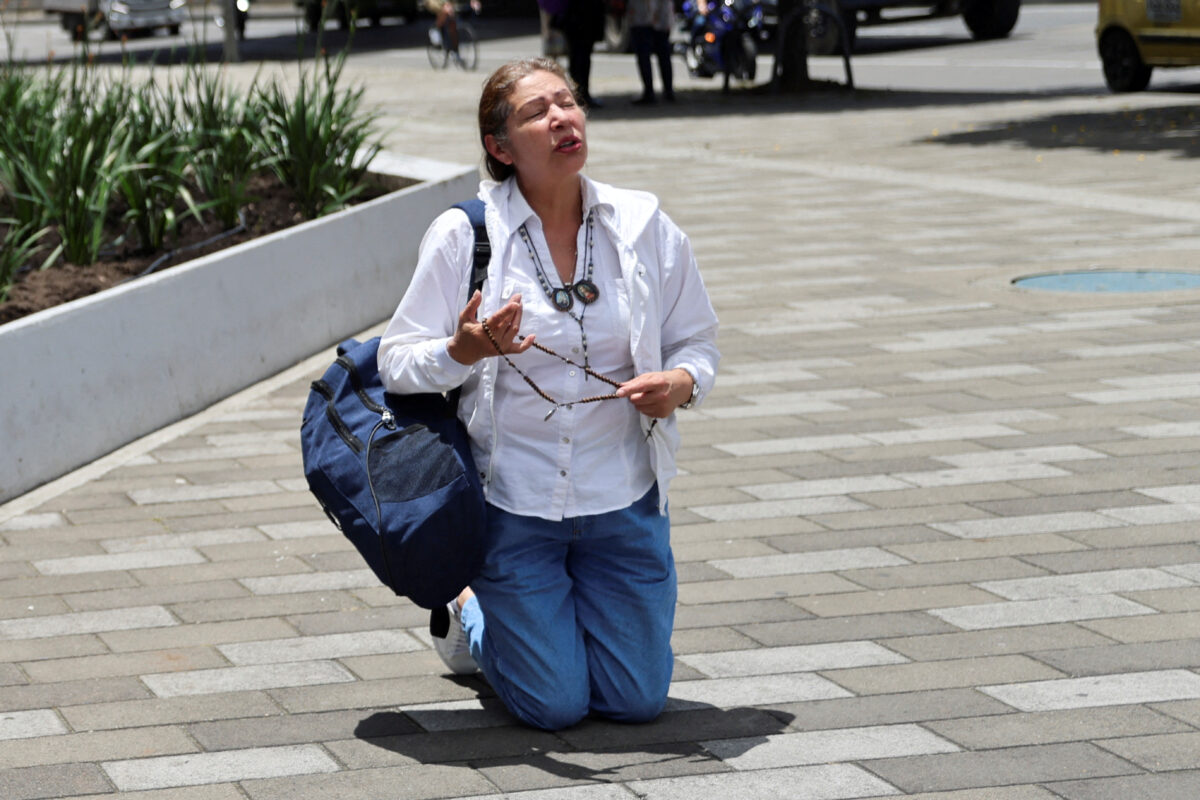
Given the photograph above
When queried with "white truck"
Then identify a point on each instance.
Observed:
(117, 18)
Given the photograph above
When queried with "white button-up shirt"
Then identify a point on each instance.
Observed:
(653, 313)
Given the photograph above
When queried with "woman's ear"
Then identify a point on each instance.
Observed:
(496, 150)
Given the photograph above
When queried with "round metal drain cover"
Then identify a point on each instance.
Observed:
(1111, 281)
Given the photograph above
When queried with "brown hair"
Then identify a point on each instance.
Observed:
(494, 105)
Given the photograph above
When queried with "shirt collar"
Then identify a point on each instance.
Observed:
(518, 212)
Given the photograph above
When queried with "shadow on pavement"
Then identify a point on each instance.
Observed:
(1165, 129)
(594, 750)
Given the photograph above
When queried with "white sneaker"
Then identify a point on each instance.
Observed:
(450, 640)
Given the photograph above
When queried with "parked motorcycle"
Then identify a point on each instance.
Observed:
(725, 40)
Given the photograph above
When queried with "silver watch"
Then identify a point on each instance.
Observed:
(691, 401)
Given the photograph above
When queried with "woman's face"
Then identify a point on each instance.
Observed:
(546, 138)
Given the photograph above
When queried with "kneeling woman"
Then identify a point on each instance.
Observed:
(592, 327)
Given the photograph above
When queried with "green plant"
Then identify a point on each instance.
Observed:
(227, 151)
(19, 245)
(27, 152)
(320, 139)
(156, 152)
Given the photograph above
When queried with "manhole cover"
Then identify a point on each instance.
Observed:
(1111, 281)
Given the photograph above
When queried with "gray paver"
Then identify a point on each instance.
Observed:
(234, 765)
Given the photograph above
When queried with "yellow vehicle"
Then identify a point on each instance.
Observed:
(1134, 36)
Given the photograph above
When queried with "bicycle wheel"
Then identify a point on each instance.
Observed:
(439, 56)
(468, 54)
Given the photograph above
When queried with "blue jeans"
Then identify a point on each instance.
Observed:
(575, 616)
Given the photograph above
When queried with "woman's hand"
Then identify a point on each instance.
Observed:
(658, 394)
(470, 343)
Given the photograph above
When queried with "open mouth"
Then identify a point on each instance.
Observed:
(569, 144)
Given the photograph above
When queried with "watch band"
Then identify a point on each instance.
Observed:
(691, 401)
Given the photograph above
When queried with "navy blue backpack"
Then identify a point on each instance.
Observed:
(394, 472)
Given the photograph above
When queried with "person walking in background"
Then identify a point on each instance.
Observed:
(582, 25)
(573, 611)
(650, 24)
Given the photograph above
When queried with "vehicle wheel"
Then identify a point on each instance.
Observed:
(821, 31)
(173, 30)
(1124, 70)
(616, 33)
(991, 19)
(438, 55)
(468, 54)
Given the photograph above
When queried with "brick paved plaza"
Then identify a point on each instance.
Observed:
(937, 535)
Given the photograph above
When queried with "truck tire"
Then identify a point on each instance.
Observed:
(1124, 70)
(991, 19)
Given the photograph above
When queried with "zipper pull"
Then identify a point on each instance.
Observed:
(388, 420)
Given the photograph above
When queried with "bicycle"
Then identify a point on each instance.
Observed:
(440, 53)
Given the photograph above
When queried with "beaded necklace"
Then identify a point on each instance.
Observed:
(563, 297)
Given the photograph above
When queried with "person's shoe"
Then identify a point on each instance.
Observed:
(645, 100)
(450, 640)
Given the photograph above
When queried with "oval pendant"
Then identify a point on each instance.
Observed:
(587, 292)
(562, 299)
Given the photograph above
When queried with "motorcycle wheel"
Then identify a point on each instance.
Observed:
(693, 57)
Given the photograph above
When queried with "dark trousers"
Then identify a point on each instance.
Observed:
(579, 61)
(647, 40)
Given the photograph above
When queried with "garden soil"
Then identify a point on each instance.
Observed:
(273, 210)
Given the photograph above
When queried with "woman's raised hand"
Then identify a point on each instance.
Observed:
(470, 342)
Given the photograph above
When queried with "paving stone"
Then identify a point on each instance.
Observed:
(841, 629)
(1124, 558)
(828, 746)
(1160, 627)
(225, 791)
(155, 595)
(762, 588)
(1105, 582)
(737, 613)
(224, 570)
(30, 724)
(972, 549)
(354, 617)
(168, 711)
(311, 582)
(105, 666)
(60, 780)
(90, 747)
(1035, 612)
(997, 641)
(68, 693)
(57, 647)
(825, 782)
(856, 603)
(889, 709)
(1047, 727)
(1160, 753)
(800, 658)
(923, 676)
(223, 767)
(420, 782)
(528, 776)
(36, 587)
(168, 541)
(231, 679)
(755, 691)
(1174, 786)
(709, 640)
(1014, 765)
(197, 635)
(118, 561)
(314, 648)
(86, 622)
(268, 731)
(794, 563)
(375, 694)
(1115, 658)
(445, 746)
(942, 573)
(1105, 690)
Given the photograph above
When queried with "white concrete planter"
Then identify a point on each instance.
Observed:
(87, 377)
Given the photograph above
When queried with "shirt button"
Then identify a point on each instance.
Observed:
(562, 472)
(574, 349)
(572, 373)
(566, 440)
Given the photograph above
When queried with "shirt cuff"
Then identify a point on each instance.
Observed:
(442, 366)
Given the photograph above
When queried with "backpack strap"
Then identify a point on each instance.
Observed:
(482, 254)
(474, 209)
